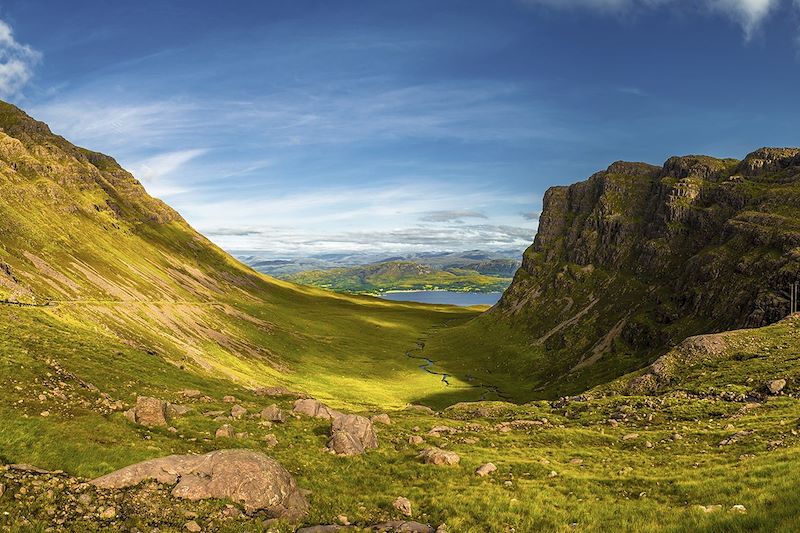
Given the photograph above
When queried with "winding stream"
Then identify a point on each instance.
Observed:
(427, 366)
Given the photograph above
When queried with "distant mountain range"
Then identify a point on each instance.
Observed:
(471, 271)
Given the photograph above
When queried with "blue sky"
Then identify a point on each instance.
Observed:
(311, 126)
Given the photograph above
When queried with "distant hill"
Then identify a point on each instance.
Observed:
(410, 275)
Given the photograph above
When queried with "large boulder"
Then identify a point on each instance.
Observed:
(150, 412)
(315, 408)
(250, 478)
(437, 456)
(273, 413)
(352, 435)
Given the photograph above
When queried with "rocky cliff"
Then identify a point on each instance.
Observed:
(638, 257)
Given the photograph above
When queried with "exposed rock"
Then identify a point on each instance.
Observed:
(229, 399)
(192, 527)
(315, 408)
(631, 436)
(738, 509)
(237, 412)
(403, 505)
(382, 418)
(436, 431)
(437, 456)
(175, 410)
(278, 392)
(225, 431)
(776, 386)
(270, 440)
(150, 412)
(190, 393)
(352, 435)
(415, 439)
(420, 409)
(243, 476)
(485, 469)
(273, 413)
(708, 509)
(108, 514)
(402, 526)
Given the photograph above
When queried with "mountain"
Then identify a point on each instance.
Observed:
(500, 263)
(635, 259)
(408, 275)
(129, 341)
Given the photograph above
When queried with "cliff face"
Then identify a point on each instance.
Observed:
(638, 257)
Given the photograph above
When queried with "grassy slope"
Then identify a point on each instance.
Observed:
(399, 275)
(620, 484)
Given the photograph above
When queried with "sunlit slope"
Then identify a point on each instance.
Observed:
(81, 237)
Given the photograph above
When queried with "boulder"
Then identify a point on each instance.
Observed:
(403, 505)
(229, 399)
(237, 412)
(243, 476)
(437, 456)
(315, 408)
(225, 431)
(190, 393)
(485, 470)
(175, 410)
(352, 435)
(382, 418)
(776, 386)
(273, 413)
(150, 412)
(192, 527)
(415, 439)
(403, 526)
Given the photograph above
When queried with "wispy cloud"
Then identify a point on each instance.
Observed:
(451, 216)
(531, 215)
(749, 14)
(17, 62)
(152, 171)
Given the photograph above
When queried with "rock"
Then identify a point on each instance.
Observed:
(192, 526)
(438, 430)
(225, 431)
(486, 469)
(190, 393)
(576, 461)
(709, 508)
(738, 509)
(631, 436)
(108, 514)
(320, 529)
(273, 413)
(270, 440)
(2, 490)
(676, 437)
(150, 412)
(420, 409)
(415, 439)
(399, 525)
(229, 399)
(277, 392)
(314, 408)
(45, 414)
(352, 435)
(403, 505)
(776, 386)
(343, 520)
(437, 456)
(243, 476)
(237, 412)
(175, 410)
(382, 418)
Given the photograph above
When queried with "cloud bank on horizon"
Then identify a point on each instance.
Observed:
(299, 127)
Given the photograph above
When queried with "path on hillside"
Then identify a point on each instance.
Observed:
(428, 364)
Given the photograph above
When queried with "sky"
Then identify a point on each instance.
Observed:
(305, 127)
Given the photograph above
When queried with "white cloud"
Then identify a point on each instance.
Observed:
(152, 171)
(749, 14)
(16, 62)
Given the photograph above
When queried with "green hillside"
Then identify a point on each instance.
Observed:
(108, 294)
(399, 276)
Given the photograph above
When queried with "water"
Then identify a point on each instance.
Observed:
(445, 297)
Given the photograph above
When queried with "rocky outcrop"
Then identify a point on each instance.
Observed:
(315, 409)
(150, 412)
(352, 435)
(637, 258)
(250, 478)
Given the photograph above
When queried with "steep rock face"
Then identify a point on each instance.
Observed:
(637, 257)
